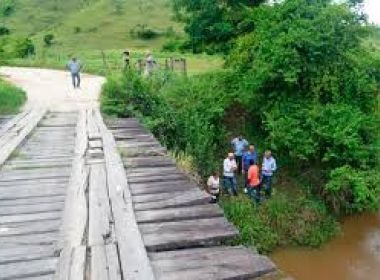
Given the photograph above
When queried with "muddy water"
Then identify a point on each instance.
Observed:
(354, 255)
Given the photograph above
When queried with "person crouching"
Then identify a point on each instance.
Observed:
(214, 187)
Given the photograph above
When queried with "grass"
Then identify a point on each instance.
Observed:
(11, 98)
(94, 63)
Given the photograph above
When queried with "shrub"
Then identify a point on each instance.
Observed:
(7, 7)
(142, 31)
(48, 39)
(77, 29)
(11, 98)
(284, 220)
(24, 47)
(4, 31)
(350, 191)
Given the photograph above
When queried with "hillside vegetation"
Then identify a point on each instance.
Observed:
(93, 30)
(11, 98)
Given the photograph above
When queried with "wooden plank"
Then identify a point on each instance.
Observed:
(31, 209)
(29, 227)
(157, 178)
(75, 213)
(71, 264)
(133, 256)
(7, 149)
(159, 187)
(25, 253)
(176, 214)
(41, 239)
(105, 263)
(100, 218)
(32, 200)
(186, 234)
(39, 192)
(35, 176)
(34, 268)
(160, 197)
(148, 162)
(30, 217)
(190, 198)
(211, 263)
(131, 172)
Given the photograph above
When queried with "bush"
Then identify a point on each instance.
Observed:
(48, 39)
(11, 98)
(285, 220)
(77, 29)
(142, 31)
(351, 191)
(24, 48)
(4, 31)
(6, 7)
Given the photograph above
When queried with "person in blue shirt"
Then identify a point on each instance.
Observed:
(248, 156)
(239, 145)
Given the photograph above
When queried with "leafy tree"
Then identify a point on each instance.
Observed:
(308, 76)
(210, 24)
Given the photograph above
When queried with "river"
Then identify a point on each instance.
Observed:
(353, 255)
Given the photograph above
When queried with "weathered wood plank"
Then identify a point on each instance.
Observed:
(30, 217)
(188, 198)
(186, 234)
(100, 212)
(177, 214)
(142, 178)
(48, 238)
(30, 209)
(25, 253)
(27, 269)
(30, 191)
(161, 197)
(29, 227)
(32, 200)
(133, 257)
(71, 264)
(210, 263)
(159, 187)
(105, 263)
(7, 149)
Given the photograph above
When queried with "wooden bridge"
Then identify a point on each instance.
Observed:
(83, 199)
(80, 200)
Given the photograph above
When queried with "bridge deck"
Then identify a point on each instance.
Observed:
(80, 201)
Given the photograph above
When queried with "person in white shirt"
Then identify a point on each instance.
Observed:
(268, 168)
(214, 187)
(229, 179)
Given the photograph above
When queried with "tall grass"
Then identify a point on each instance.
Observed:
(11, 98)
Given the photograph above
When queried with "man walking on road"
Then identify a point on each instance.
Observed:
(74, 67)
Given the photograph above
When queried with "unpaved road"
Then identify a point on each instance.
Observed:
(52, 89)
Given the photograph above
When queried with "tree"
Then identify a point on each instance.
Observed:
(212, 25)
(314, 85)
(24, 47)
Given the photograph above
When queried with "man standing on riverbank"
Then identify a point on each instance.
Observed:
(229, 169)
(75, 67)
(268, 168)
(248, 156)
(239, 145)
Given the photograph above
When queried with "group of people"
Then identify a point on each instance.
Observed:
(244, 161)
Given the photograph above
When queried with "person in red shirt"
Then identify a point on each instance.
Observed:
(254, 183)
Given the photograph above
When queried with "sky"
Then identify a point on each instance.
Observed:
(372, 8)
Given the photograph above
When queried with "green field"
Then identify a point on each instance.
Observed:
(96, 29)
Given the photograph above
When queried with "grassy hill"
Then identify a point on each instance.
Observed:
(91, 28)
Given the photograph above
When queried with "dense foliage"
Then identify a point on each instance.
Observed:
(212, 25)
(315, 89)
(304, 83)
